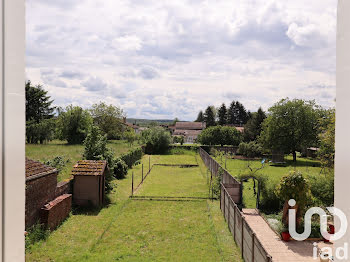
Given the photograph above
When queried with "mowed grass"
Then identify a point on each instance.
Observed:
(308, 167)
(146, 230)
(72, 153)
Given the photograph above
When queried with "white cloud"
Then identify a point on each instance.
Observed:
(167, 59)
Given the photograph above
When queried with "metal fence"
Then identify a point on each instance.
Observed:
(251, 248)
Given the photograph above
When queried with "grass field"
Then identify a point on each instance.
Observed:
(72, 153)
(146, 230)
(307, 167)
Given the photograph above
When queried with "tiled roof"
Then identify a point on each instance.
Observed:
(190, 125)
(187, 132)
(89, 168)
(36, 168)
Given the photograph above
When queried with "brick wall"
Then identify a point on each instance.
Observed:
(39, 191)
(64, 187)
(53, 213)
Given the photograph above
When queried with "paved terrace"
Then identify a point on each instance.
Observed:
(279, 250)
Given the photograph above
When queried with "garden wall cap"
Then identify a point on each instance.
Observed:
(89, 168)
(36, 169)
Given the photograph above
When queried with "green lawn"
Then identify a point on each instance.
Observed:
(73, 153)
(308, 167)
(147, 230)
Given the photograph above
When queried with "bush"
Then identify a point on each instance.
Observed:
(74, 125)
(216, 187)
(120, 168)
(58, 162)
(42, 131)
(322, 188)
(132, 157)
(220, 135)
(251, 149)
(156, 140)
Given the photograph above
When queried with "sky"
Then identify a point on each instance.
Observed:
(166, 59)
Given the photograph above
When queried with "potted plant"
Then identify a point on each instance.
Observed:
(285, 233)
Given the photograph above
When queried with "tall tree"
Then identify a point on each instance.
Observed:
(291, 126)
(200, 117)
(38, 103)
(252, 128)
(327, 138)
(109, 119)
(237, 114)
(209, 116)
(222, 115)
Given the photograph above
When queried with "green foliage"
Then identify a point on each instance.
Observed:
(156, 140)
(132, 156)
(74, 124)
(251, 149)
(291, 126)
(109, 119)
(252, 128)
(322, 189)
(209, 116)
(41, 132)
(58, 162)
(200, 117)
(294, 186)
(222, 115)
(178, 139)
(216, 184)
(327, 139)
(220, 135)
(38, 103)
(237, 114)
(36, 233)
(130, 136)
(120, 168)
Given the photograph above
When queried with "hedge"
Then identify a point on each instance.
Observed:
(132, 156)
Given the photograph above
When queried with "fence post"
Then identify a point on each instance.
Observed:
(149, 163)
(228, 213)
(242, 234)
(142, 172)
(234, 224)
(224, 204)
(132, 184)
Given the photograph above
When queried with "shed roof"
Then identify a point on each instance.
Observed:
(36, 169)
(89, 168)
(190, 125)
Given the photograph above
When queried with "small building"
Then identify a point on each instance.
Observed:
(239, 128)
(89, 182)
(189, 130)
(41, 189)
(277, 157)
(312, 152)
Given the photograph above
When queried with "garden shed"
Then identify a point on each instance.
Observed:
(89, 182)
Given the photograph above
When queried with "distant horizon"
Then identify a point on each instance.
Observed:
(159, 60)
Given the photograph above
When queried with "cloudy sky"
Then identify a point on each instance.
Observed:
(166, 59)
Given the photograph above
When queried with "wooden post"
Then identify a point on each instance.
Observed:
(142, 172)
(228, 214)
(132, 184)
(224, 204)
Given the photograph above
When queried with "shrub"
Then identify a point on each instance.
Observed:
(216, 187)
(156, 140)
(220, 135)
(251, 149)
(74, 124)
(322, 188)
(120, 168)
(58, 162)
(132, 156)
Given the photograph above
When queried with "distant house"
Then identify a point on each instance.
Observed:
(136, 128)
(189, 130)
(239, 128)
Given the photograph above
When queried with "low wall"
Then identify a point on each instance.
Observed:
(64, 187)
(54, 212)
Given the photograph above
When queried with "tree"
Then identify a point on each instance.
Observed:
(41, 132)
(327, 138)
(175, 120)
(291, 126)
(38, 103)
(156, 140)
(109, 119)
(200, 117)
(237, 114)
(252, 128)
(222, 115)
(74, 124)
(220, 135)
(130, 136)
(209, 116)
